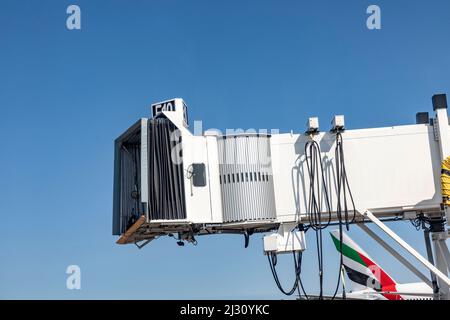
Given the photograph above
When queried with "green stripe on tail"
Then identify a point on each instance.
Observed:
(348, 252)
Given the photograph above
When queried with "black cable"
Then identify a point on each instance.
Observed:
(301, 227)
(315, 169)
(297, 265)
(272, 258)
(317, 182)
(342, 211)
(300, 286)
(272, 262)
(341, 263)
(320, 261)
(343, 186)
(318, 191)
(417, 223)
(303, 289)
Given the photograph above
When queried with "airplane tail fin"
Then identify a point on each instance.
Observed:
(361, 269)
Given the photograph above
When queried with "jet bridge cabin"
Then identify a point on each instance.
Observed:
(169, 181)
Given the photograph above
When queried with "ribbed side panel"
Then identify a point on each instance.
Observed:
(246, 178)
(166, 183)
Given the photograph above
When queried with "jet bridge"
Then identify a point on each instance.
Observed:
(170, 182)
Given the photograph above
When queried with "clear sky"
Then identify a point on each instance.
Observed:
(66, 95)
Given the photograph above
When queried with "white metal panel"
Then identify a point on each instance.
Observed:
(390, 169)
(198, 201)
(286, 240)
(444, 132)
(213, 179)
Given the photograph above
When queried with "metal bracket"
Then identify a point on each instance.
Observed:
(140, 245)
(286, 240)
(435, 129)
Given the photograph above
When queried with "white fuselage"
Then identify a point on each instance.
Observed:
(407, 291)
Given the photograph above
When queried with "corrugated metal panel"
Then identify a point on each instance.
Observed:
(246, 178)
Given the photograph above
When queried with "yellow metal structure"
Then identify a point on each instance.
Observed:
(445, 181)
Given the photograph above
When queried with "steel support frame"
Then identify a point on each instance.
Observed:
(395, 254)
(426, 234)
(442, 260)
(444, 281)
(440, 248)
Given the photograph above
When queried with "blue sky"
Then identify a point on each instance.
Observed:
(65, 95)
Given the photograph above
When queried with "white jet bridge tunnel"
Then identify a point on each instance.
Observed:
(170, 182)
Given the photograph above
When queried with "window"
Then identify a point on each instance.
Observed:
(199, 174)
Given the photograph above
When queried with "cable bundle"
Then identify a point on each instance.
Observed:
(272, 258)
(317, 183)
(317, 193)
(343, 189)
